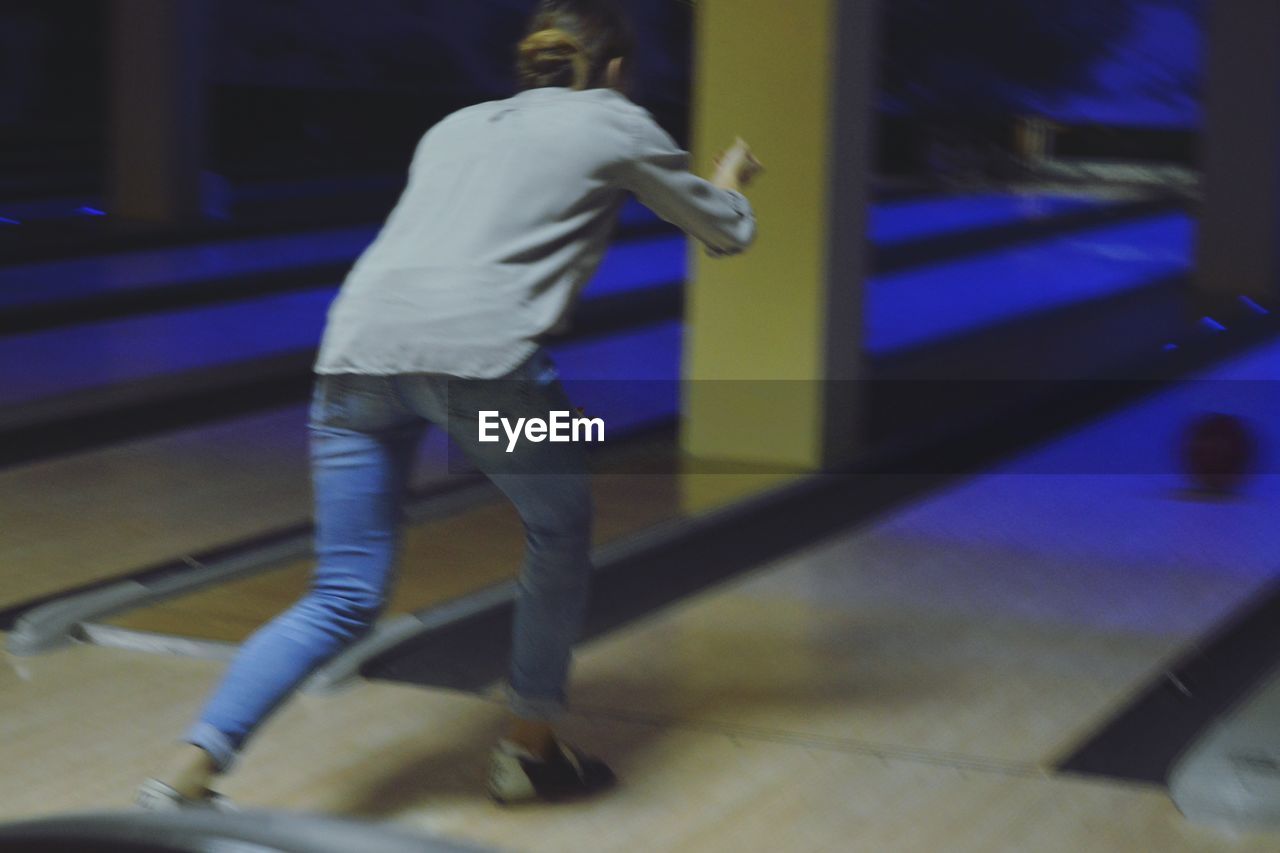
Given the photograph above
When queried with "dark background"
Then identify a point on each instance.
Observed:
(320, 87)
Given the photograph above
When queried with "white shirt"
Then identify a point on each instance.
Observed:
(508, 212)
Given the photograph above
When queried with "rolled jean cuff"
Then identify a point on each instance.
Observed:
(214, 742)
(535, 710)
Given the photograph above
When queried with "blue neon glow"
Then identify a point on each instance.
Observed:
(1107, 505)
(629, 265)
(91, 211)
(635, 213)
(1253, 306)
(1149, 81)
(905, 309)
(1212, 324)
(639, 264)
(45, 209)
(629, 355)
(4, 220)
(895, 223)
(922, 305)
(64, 360)
(630, 379)
(60, 280)
(98, 354)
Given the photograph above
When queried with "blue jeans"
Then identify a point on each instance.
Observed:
(364, 431)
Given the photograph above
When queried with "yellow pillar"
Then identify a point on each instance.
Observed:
(157, 110)
(774, 340)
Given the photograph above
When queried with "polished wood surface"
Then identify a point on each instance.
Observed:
(97, 516)
(861, 696)
(907, 685)
(104, 514)
(441, 560)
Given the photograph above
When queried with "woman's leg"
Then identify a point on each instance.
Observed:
(549, 485)
(553, 588)
(362, 450)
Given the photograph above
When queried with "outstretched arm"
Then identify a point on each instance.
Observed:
(715, 212)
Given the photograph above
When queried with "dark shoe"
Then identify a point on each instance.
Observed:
(516, 776)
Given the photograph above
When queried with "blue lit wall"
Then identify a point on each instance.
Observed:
(1151, 81)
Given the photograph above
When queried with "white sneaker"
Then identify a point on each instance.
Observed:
(155, 796)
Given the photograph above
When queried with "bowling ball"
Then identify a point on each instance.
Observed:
(1218, 452)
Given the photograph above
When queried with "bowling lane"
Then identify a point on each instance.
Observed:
(54, 281)
(938, 659)
(242, 196)
(61, 361)
(88, 517)
(1079, 510)
(64, 361)
(1132, 462)
(19, 212)
(625, 267)
(931, 303)
(906, 309)
(988, 626)
(909, 220)
(444, 558)
(99, 515)
(894, 223)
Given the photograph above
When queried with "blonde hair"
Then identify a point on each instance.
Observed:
(570, 43)
(552, 57)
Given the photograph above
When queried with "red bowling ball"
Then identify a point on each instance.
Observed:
(1218, 452)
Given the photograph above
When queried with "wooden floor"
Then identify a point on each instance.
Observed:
(907, 685)
(442, 560)
(636, 487)
(418, 763)
(868, 694)
(103, 514)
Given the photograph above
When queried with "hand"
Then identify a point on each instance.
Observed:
(737, 167)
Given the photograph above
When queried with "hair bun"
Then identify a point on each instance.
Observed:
(553, 57)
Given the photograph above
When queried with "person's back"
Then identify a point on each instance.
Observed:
(493, 180)
(508, 212)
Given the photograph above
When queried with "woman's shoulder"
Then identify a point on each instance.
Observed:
(597, 102)
(615, 102)
(605, 121)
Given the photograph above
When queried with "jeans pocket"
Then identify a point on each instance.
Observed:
(323, 398)
(340, 400)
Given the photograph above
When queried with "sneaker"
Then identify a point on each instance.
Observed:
(516, 775)
(156, 796)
